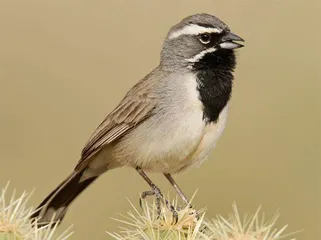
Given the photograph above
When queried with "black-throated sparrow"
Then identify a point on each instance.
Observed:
(169, 121)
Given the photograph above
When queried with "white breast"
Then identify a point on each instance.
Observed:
(212, 133)
(176, 136)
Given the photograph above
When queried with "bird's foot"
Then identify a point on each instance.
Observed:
(191, 212)
(194, 212)
(155, 191)
(179, 208)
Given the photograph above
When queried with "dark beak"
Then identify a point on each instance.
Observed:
(228, 41)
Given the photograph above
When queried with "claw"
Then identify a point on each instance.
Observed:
(159, 199)
(175, 214)
(144, 195)
(158, 195)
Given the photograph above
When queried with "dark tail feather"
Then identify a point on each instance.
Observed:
(55, 205)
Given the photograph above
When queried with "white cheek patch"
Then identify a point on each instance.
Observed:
(193, 29)
(199, 56)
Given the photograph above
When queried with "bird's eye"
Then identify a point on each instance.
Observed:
(204, 38)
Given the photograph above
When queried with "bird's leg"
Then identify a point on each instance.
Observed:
(179, 191)
(177, 188)
(158, 194)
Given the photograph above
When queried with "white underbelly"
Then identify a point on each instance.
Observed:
(162, 145)
(176, 136)
(211, 134)
(172, 148)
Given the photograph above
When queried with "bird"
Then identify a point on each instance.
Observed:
(168, 121)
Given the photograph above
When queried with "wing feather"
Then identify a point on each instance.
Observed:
(135, 108)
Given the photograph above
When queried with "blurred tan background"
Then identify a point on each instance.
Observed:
(64, 64)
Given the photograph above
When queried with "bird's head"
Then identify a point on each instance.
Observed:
(197, 40)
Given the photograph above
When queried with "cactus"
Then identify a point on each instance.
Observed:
(143, 225)
(192, 225)
(15, 223)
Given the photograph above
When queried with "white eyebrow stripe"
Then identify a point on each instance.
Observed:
(194, 29)
(200, 55)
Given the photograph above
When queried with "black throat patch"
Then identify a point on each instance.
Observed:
(215, 79)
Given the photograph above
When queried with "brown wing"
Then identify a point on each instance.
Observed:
(136, 107)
